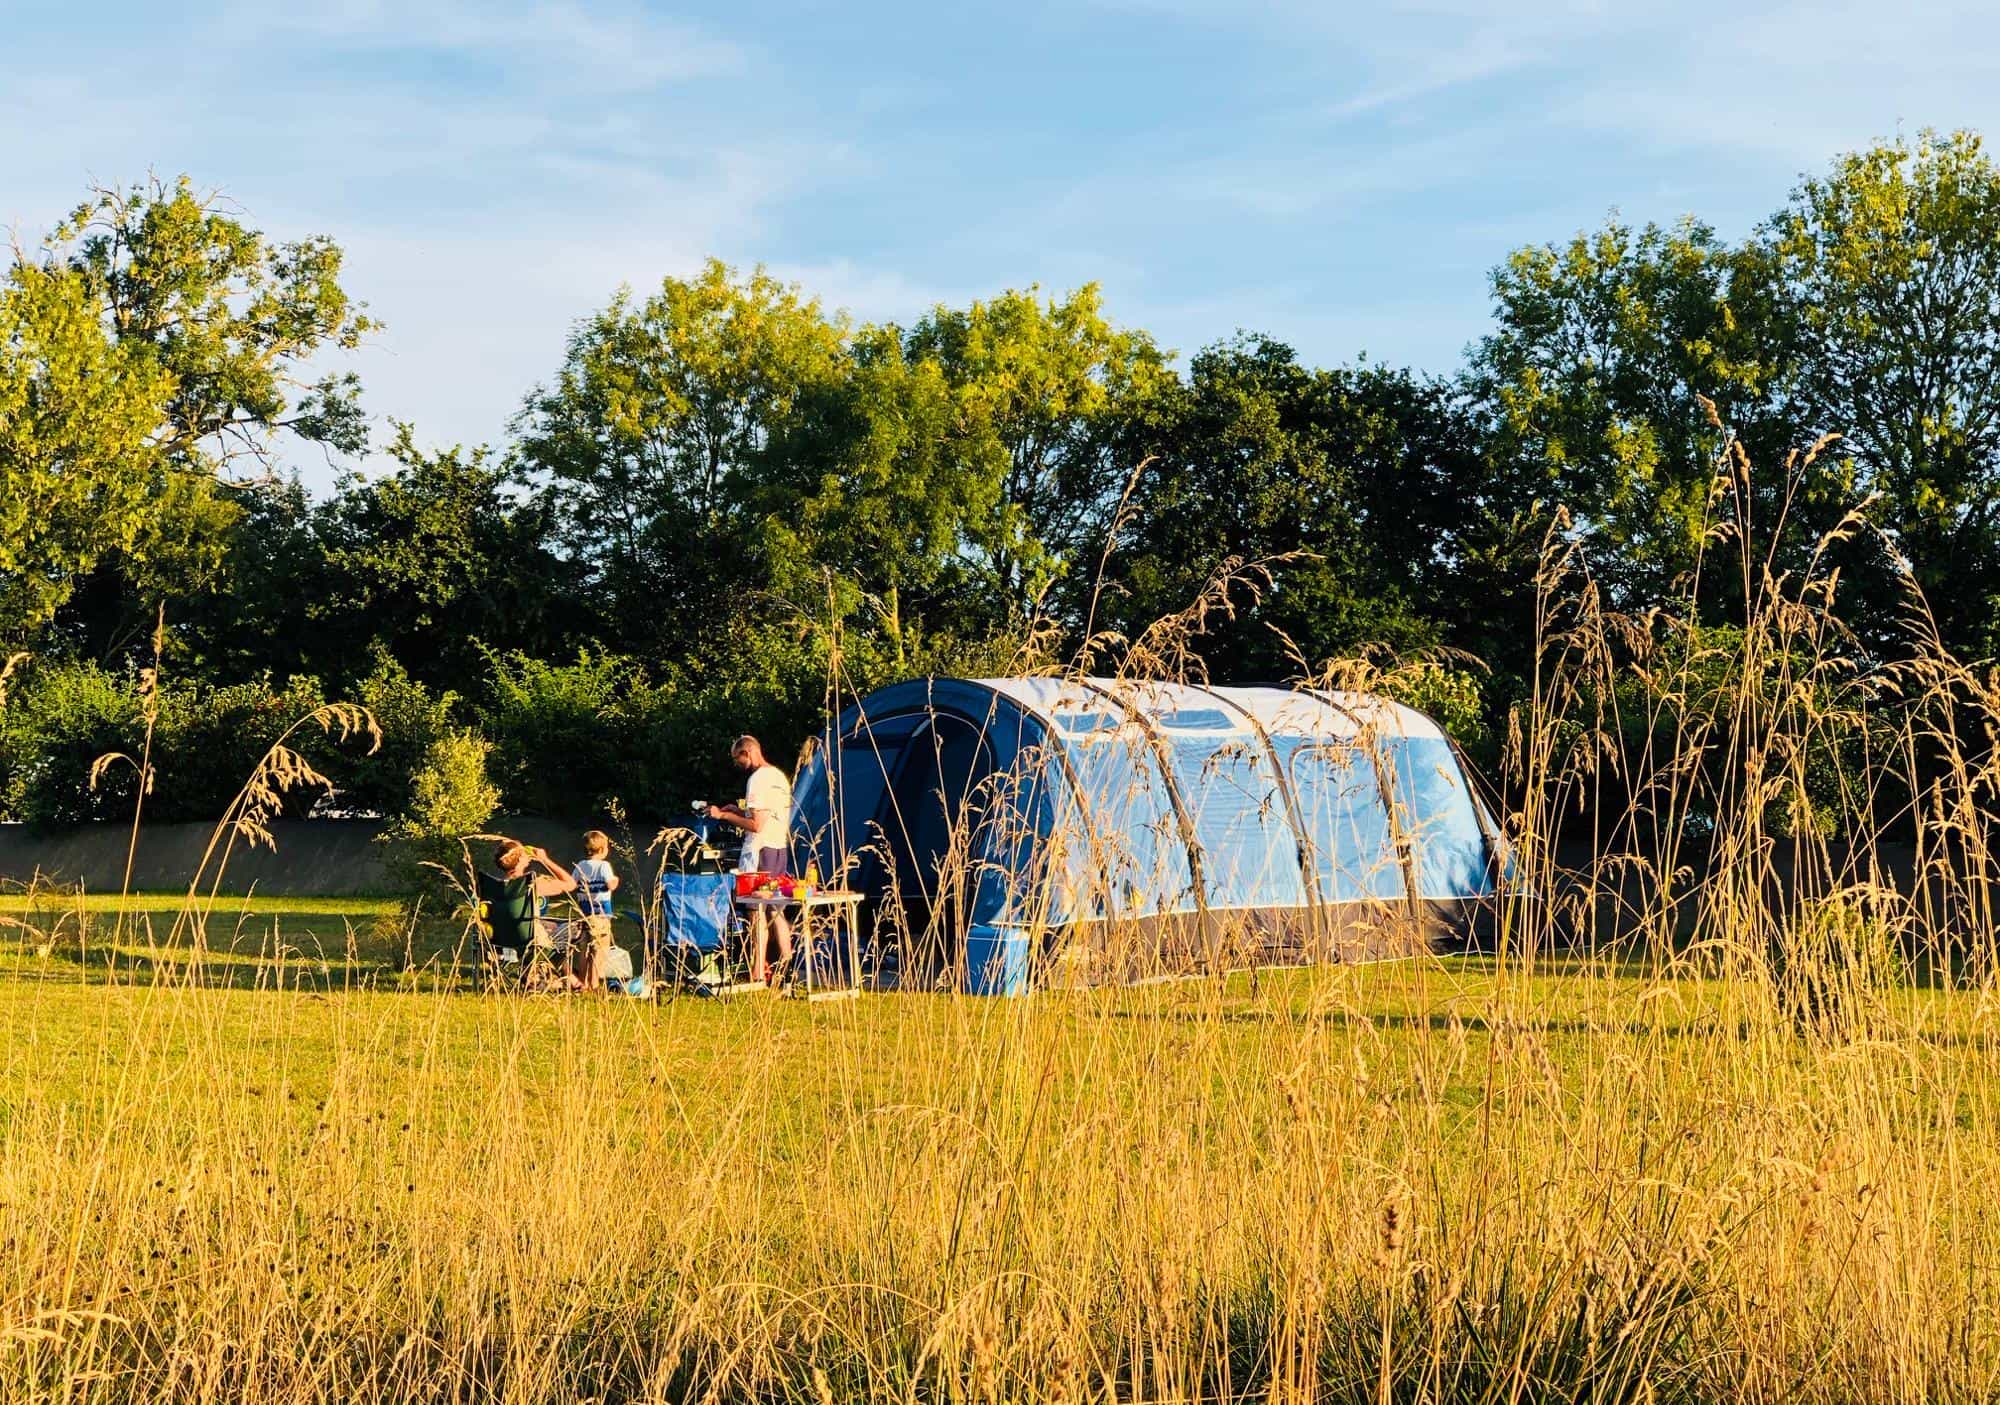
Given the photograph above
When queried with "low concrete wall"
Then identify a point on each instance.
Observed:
(313, 858)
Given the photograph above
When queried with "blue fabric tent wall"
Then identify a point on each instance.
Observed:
(1146, 806)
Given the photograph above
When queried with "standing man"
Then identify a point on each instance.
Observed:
(765, 817)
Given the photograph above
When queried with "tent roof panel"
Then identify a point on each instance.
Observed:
(1078, 705)
(1284, 712)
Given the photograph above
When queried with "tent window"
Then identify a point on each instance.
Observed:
(1249, 852)
(1349, 841)
(1082, 724)
(1196, 720)
(1435, 809)
(1124, 848)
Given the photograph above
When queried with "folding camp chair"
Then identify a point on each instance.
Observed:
(699, 943)
(502, 956)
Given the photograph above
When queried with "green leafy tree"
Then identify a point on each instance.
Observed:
(428, 562)
(413, 721)
(80, 478)
(449, 796)
(1888, 267)
(234, 319)
(60, 717)
(207, 740)
(153, 345)
(1039, 389)
(558, 748)
(865, 508)
(1595, 374)
(1354, 483)
(650, 437)
(210, 737)
(255, 614)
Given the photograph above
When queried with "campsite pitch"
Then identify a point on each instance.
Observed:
(1420, 1180)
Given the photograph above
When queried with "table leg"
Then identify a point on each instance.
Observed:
(806, 943)
(853, 948)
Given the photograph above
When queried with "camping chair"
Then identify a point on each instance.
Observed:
(505, 959)
(698, 937)
(500, 953)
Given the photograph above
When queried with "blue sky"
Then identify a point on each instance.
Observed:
(1342, 177)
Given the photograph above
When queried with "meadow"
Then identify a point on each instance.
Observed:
(1449, 1179)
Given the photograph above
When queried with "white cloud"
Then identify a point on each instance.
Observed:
(589, 48)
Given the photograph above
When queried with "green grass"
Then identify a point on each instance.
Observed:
(283, 1182)
(170, 903)
(337, 941)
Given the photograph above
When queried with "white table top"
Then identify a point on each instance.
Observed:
(820, 898)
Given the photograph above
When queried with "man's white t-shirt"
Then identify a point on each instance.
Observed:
(768, 800)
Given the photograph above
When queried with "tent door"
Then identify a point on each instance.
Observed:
(933, 841)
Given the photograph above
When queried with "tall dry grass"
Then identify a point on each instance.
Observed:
(1693, 1132)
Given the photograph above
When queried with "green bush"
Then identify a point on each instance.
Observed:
(555, 729)
(1451, 697)
(59, 720)
(208, 740)
(450, 796)
(413, 721)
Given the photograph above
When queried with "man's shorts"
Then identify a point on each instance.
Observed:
(774, 861)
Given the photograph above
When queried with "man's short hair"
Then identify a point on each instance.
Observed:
(504, 853)
(744, 743)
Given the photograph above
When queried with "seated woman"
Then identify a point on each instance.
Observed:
(519, 917)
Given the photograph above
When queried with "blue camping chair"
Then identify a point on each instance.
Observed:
(697, 919)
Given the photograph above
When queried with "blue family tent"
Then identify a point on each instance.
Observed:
(1007, 832)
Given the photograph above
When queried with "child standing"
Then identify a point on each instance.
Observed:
(595, 883)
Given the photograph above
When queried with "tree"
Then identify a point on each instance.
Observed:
(233, 319)
(150, 345)
(80, 477)
(429, 562)
(649, 438)
(254, 615)
(1356, 482)
(1595, 376)
(1889, 269)
(1868, 307)
(860, 494)
(1039, 389)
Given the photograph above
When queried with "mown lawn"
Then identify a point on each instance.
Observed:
(244, 939)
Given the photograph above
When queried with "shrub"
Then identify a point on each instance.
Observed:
(450, 795)
(1452, 697)
(414, 720)
(556, 743)
(58, 722)
(209, 739)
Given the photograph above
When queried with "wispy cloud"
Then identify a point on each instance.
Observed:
(1485, 57)
(599, 47)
